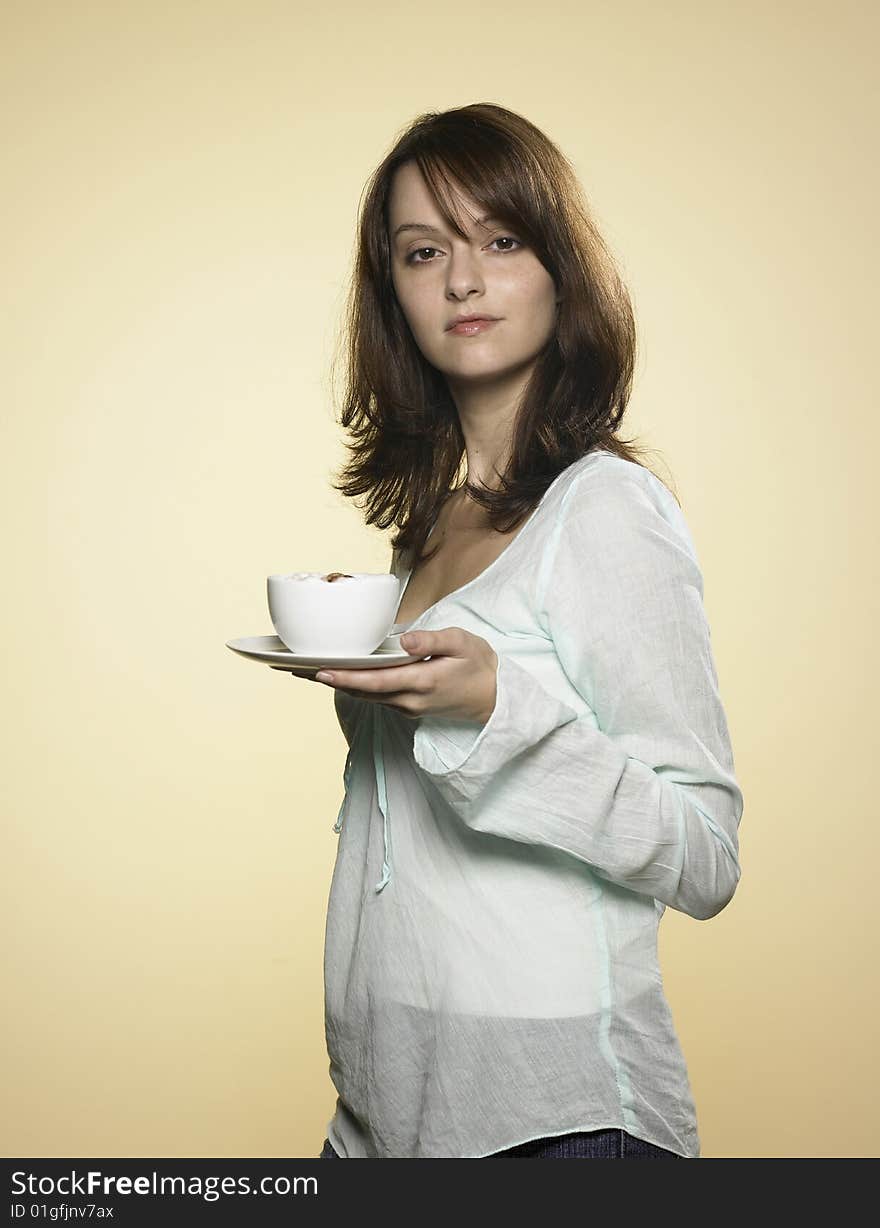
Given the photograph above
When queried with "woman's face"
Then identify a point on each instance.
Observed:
(438, 276)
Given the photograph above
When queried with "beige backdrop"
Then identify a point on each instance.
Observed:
(182, 185)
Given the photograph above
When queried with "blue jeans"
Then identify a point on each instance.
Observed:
(581, 1145)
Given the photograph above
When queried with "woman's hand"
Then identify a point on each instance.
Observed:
(457, 683)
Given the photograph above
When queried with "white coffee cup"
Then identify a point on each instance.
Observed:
(348, 615)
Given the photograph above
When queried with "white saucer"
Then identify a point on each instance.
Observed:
(271, 651)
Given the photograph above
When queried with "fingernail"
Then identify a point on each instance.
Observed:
(323, 676)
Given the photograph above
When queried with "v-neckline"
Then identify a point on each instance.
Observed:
(398, 628)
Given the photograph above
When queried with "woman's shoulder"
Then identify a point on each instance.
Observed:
(613, 500)
(605, 476)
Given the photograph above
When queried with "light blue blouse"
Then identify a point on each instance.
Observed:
(499, 980)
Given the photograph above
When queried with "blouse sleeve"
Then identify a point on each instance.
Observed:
(648, 799)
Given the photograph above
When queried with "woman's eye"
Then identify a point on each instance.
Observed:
(411, 258)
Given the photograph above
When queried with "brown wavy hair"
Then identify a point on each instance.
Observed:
(407, 444)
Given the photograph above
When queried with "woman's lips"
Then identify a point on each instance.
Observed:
(471, 327)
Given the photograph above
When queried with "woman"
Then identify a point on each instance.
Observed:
(555, 769)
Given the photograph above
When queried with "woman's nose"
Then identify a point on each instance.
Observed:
(464, 274)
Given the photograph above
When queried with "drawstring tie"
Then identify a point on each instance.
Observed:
(379, 772)
(346, 776)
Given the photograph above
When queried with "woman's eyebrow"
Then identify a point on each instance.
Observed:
(434, 230)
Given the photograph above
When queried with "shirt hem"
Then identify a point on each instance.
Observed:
(530, 1138)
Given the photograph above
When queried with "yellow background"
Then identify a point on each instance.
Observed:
(181, 191)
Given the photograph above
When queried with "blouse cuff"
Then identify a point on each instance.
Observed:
(524, 713)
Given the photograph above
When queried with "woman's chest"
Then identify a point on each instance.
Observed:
(463, 555)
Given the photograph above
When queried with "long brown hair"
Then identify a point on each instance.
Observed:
(407, 444)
